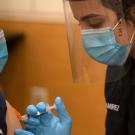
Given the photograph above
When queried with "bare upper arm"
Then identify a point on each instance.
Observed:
(11, 120)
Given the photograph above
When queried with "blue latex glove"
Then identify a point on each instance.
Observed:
(22, 132)
(47, 123)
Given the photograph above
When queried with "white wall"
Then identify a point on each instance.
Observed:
(32, 10)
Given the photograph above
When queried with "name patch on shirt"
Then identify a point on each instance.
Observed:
(113, 107)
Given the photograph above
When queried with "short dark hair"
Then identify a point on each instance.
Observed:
(127, 4)
(117, 5)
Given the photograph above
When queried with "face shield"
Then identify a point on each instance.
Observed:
(98, 35)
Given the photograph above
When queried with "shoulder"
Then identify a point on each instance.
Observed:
(118, 73)
(11, 119)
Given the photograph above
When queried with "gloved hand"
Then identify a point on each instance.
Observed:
(22, 132)
(47, 123)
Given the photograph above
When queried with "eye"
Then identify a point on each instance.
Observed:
(94, 22)
(95, 25)
(88, 25)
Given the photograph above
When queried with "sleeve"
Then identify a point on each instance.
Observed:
(131, 119)
(3, 110)
(131, 101)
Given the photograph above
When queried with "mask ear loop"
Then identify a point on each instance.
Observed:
(132, 38)
(117, 24)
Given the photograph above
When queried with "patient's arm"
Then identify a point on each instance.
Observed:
(11, 120)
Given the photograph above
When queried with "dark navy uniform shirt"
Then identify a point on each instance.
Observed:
(3, 109)
(120, 99)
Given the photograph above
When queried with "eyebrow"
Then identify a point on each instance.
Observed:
(89, 16)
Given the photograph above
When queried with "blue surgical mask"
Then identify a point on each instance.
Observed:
(3, 51)
(101, 45)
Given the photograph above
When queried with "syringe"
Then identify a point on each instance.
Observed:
(48, 109)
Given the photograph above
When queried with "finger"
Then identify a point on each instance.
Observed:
(32, 121)
(61, 110)
(45, 117)
(30, 127)
(54, 122)
(41, 107)
(22, 132)
(31, 110)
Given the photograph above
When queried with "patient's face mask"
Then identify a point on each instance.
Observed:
(3, 51)
(101, 45)
(97, 37)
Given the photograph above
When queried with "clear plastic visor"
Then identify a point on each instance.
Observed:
(86, 15)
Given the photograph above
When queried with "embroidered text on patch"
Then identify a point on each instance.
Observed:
(113, 107)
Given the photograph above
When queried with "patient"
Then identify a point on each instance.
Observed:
(8, 118)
